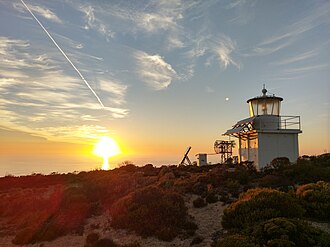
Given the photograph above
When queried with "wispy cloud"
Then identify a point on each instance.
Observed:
(223, 49)
(154, 17)
(116, 89)
(37, 96)
(242, 11)
(292, 32)
(39, 10)
(297, 58)
(306, 69)
(153, 69)
(95, 23)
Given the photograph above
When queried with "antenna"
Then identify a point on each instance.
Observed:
(264, 91)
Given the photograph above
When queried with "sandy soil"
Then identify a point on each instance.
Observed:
(207, 218)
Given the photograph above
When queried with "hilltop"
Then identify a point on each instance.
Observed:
(217, 205)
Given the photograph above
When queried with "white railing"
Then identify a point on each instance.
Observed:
(271, 122)
(289, 122)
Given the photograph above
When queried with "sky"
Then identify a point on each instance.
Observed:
(157, 76)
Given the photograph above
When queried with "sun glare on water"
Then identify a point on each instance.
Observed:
(106, 147)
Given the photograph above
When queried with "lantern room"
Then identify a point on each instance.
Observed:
(265, 105)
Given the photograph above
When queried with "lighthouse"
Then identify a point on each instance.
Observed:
(266, 134)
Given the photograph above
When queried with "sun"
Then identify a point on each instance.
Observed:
(106, 147)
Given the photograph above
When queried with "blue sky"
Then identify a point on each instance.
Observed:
(162, 69)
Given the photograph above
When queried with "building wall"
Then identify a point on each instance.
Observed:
(252, 153)
(273, 145)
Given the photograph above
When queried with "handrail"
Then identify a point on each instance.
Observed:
(280, 123)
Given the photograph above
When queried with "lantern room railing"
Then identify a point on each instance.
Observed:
(280, 122)
(290, 122)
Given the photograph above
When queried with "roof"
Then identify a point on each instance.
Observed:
(242, 127)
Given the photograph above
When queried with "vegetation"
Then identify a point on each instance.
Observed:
(152, 211)
(273, 217)
(278, 232)
(257, 205)
(149, 201)
(315, 197)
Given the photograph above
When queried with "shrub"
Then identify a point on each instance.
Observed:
(196, 240)
(316, 199)
(151, 211)
(105, 242)
(91, 239)
(257, 205)
(277, 164)
(279, 232)
(199, 203)
(211, 197)
(24, 236)
(236, 240)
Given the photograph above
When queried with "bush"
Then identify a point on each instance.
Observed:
(151, 211)
(211, 197)
(24, 236)
(316, 199)
(91, 239)
(199, 203)
(105, 242)
(257, 205)
(279, 232)
(276, 164)
(196, 240)
(235, 240)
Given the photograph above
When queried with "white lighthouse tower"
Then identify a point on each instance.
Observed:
(266, 135)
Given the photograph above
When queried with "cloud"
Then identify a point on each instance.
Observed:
(37, 96)
(78, 132)
(293, 32)
(95, 23)
(242, 10)
(209, 89)
(39, 10)
(306, 69)
(116, 89)
(298, 58)
(223, 49)
(154, 17)
(220, 48)
(157, 73)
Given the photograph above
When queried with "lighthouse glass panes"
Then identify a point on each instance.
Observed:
(264, 106)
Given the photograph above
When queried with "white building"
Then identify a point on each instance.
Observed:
(266, 135)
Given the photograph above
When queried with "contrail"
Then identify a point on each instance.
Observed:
(67, 58)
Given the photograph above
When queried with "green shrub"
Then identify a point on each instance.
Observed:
(316, 199)
(235, 240)
(196, 240)
(151, 211)
(280, 232)
(199, 203)
(211, 197)
(91, 239)
(24, 236)
(105, 242)
(257, 205)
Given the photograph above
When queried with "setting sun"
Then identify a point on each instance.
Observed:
(106, 147)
